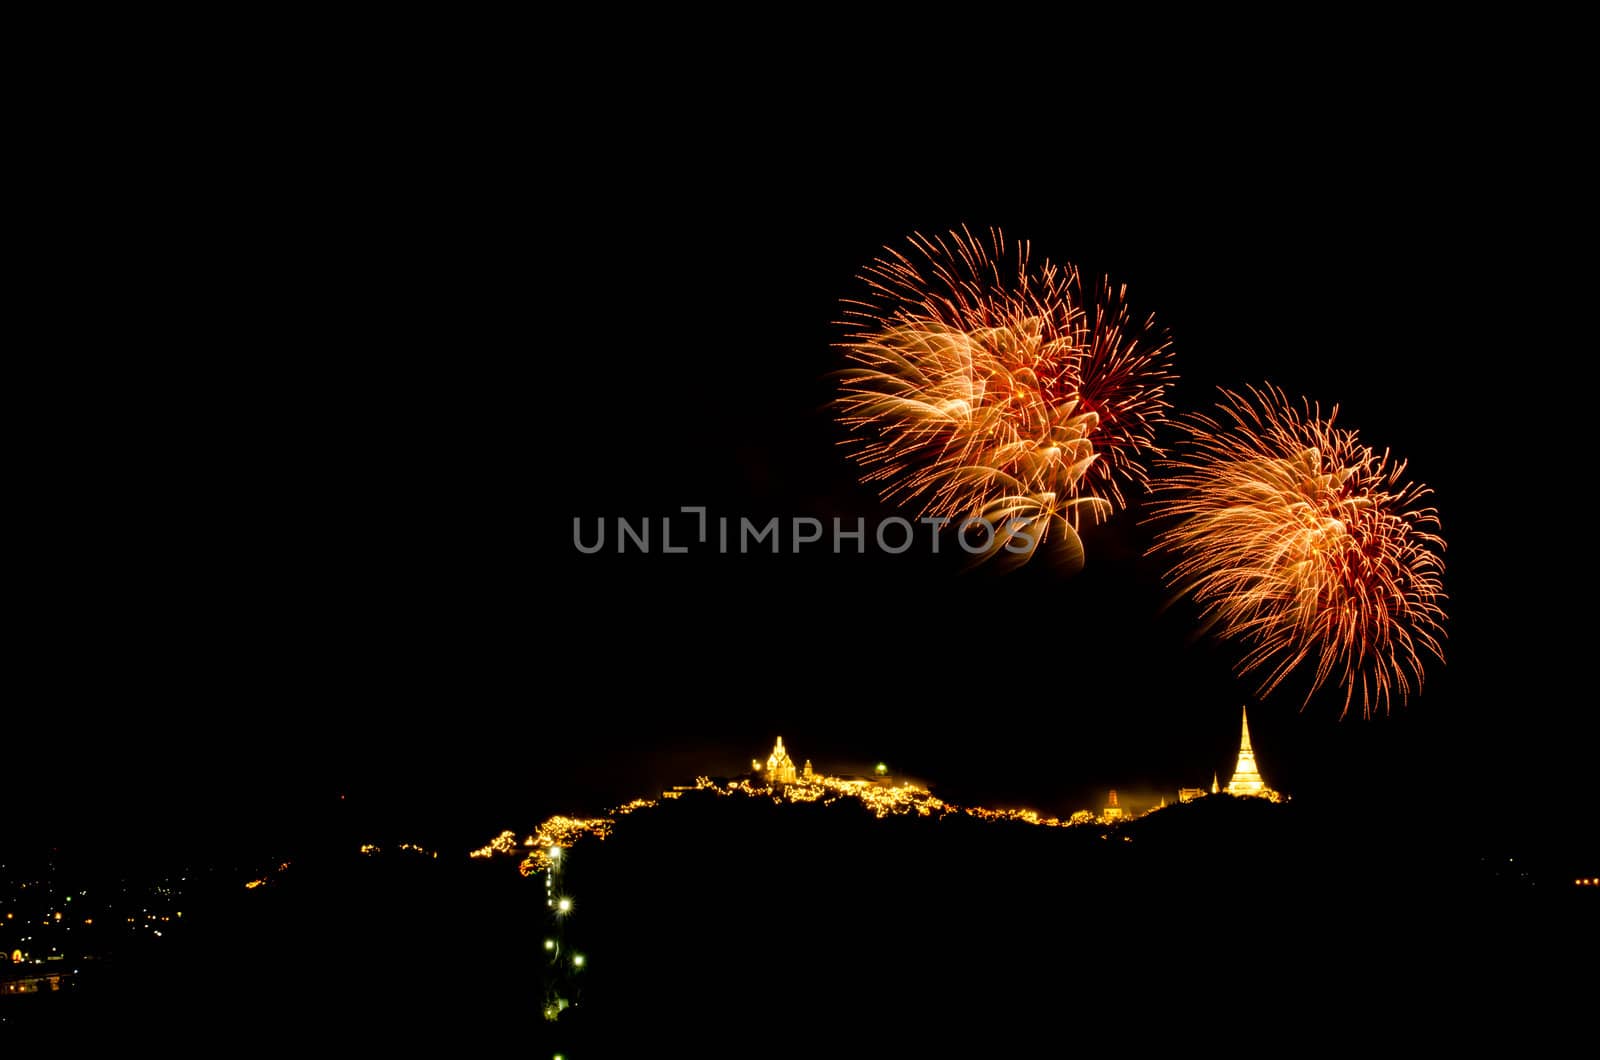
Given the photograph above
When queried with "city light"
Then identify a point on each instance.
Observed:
(564, 905)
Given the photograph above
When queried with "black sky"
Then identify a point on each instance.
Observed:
(319, 400)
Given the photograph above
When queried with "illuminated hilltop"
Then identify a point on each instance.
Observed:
(778, 780)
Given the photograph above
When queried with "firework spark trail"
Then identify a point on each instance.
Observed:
(1305, 546)
(983, 385)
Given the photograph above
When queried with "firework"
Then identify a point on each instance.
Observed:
(983, 385)
(1307, 547)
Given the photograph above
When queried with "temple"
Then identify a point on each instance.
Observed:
(780, 767)
(1246, 778)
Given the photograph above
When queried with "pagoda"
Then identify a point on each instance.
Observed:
(1246, 778)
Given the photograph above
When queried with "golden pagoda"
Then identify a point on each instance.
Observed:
(1246, 778)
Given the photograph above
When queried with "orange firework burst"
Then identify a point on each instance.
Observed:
(985, 386)
(1307, 546)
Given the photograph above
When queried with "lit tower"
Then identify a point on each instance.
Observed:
(1246, 780)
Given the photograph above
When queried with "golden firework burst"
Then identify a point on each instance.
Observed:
(985, 386)
(1306, 546)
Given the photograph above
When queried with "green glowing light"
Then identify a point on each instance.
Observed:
(881, 768)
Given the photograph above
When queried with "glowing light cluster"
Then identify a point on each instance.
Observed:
(558, 832)
(504, 843)
(373, 848)
(885, 800)
(250, 885)
(1025, 816)
(984, 385)
(1307, 547)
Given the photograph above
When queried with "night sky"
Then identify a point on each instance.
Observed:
(319, 403)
